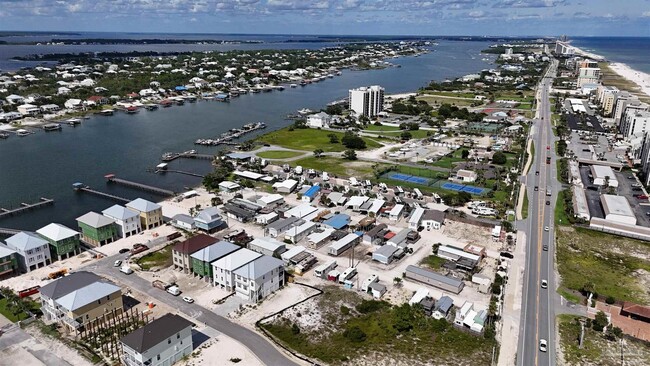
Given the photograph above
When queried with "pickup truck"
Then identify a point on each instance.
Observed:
(138, 248)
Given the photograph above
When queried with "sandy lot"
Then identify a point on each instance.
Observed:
(220, 350)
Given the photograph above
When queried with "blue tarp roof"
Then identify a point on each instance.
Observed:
(311, 192)
(338, 221)
(180, 88)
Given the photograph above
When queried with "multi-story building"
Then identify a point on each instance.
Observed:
(127, 220)
(645, 159)
(64, 242)
(208, 220)
(634, 121)
(75, 300)
(367, 101)
(8, 262)
(151, 215)
(588, 75)
(97, 229)
(182, 251)
(223, 269)
(259, 278)
(606, 96)
(33, 251)
(621, 101)
(202, 259)
(162, 342)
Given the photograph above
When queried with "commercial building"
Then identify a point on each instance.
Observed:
(162, 342)
(32, 251)
(202, 259)
(223, 268)
(78, 299)
(208, 220)
(621, 101)
(286, 186)
(259, 278)
(97, 229)
(8, 262)
(617, 209)
(151, 215)
(64, 242)
(602, 174)
(127, 220)
(181, 253)
(367, 101)
(434, 279)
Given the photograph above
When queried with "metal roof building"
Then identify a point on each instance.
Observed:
(617, 208)
(338, 221)
(434, 279)
(601, 173)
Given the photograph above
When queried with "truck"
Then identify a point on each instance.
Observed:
(170, 288)
(56, 274)
(138, 248)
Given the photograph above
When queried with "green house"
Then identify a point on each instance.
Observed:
(202, 259)
(64, 242)
(8, 262)
(96, 229)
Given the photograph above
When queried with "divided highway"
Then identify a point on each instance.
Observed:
(538, 317)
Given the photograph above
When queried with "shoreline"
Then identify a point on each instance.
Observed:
(640, 78)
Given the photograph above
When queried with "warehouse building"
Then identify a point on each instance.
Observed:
(617, 209)
(434, 279)
(603, 174)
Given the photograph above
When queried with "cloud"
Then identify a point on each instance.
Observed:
(529, 3)
(646, 14)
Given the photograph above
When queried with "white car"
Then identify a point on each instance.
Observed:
(544, 284)
(543, 346)
(117, 263)
(188, 299)
(546, 228)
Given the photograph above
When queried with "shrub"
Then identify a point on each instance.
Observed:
(370, 306)
(610, 300)
(345, 310)
(355, 334)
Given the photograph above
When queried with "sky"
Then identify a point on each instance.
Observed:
(336, 17)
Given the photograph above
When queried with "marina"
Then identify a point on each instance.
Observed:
(25, 207)
(234, 133)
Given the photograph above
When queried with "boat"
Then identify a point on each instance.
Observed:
(151, 107)
(330, 76)
(52, 127)
(106, 112)
(267, 88)
(73, 121)
(4, 135)
(132, 110)
(279, 87)
(256, 89)
(191, 99)
(166, 103)
(180, 102)
(303, 83)
(22, 133)
(338, 73)
(305, 111)
(294, 85)
(169, 156)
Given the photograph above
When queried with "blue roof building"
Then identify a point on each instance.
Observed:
(338, 222)
(180, 88)
(310, 194)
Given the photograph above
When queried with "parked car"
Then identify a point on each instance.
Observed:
(642, 197)
(188, 299)
(507, 255)
(123, 250)
(117, 263)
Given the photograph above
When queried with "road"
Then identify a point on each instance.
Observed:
(538, 320)
(261, 347)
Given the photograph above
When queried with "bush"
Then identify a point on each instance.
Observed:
(370, 306)
(295, 329)
(355, 334)
(610, 300)
(499, 158)
(345, 310)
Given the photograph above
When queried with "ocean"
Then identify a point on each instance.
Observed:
(633, 51)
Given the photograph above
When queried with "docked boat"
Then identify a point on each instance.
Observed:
(52, 127)
(279, 87)
(256, 89)
(305, 111)
(303, 83)
(106, 112)
(132, 110)
(330, 76)
(169, 156)
(151, 107)
(166, 103)
(191, 99)
(4, 135)
(73, 121)
(180, 102)
(294, 85)
(22, 132)
(338, 73)
(267, 88)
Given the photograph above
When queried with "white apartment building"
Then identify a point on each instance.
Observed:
(127, 220)
(259, 278)
(33, 251)
(588, 75)
(162, 342)
(367, 101)
(634, 121)
(621, 101)
(223, 268)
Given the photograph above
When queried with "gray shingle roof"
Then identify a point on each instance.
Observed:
(68, 284)
(120, 212)
(86, 295)
(154, 333)
(143, 205)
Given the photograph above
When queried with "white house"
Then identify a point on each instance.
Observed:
(396, 212)
(466, 176)
(259, 278)
(182, 221)
(416, 218)
(33, 251)
(127, 220)
(73, 103)
(223, 268)
(162, 342)
(319, 120)
(433, 219)
(28, 110)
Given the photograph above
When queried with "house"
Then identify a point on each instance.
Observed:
(32, 250)
(343, 244)
(301, 211)
(162, 342)
(265, 219)
(399, 239)
(64, 242)
(50, 108)
(434, 279)
(151, 215)
(465, 176)
(310, 194)
(228, 186)
(416, 218)
(355, 202)
(338, 221)
(318, 238)
(202, 259)
(270, 200)
(238, 212)
(443, 306)
(127, 220)
(462, 258)
(636, 312)
(375, 236)
(208, 220)
(259, 278)
(98, 100)
(97, 229)
(15, 99)
(277, 227)
(484, 282)
(79, 299)
(28, 110)
(182, 251)
(223, 268)
(433, 219)
(377, 290)
(8, 262)
(337, 198)
(384, 254)
(467, 317)
(286, 186)
(319, 120)
(267, 246)
(396, 212)
(292, 253)
(182, 221)
(73, 103)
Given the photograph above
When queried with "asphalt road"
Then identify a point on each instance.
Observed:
(261, 347)
(538, 304)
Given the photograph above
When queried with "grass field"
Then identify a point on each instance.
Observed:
(308, 139)
(560, 213)
(160, 258)
(396, 132)
(432, 99)
(339, 167)
(433, 262)
(586, 256)
(278, 154)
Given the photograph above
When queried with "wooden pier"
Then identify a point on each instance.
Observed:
(181, 172)
(4, 212)
(80, 187)
(111, 178)
(173, 156)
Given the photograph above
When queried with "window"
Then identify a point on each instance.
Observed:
(178, 335)
(158, 358)
(169, 341)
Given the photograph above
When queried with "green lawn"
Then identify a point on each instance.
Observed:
(339, 167)
(432, 99)
(278, 154)
(433, 261)
(586, 256)
(524, 207)
(10, 315)
(450, 94)
(417, 134)
(308, 139)
(160, 258)
(561, 217)
(374, 128)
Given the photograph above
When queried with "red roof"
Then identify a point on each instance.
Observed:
(389, 235)
(194, 244)
(133, 95)
(95, 98)
(636, 309)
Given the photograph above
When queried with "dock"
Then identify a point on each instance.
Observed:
(80, 187)
(111, 178)
(167, 157)
(4, 212)
(6, 231)
(181, 172)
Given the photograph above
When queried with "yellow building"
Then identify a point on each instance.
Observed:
(150, 213)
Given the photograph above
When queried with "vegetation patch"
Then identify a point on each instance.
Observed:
(309, 139)
(158, 259)
(278, 154)
(340, 167)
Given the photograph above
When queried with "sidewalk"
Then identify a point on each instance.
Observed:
(511, 314)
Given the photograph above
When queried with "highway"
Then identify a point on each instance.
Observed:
(538, 317)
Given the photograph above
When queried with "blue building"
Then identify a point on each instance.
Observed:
(338, 221)
(311, 193)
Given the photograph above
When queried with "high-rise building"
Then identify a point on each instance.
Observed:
(588, 75)
(367, 101)
(622, 100)
(629, 109)
(634, 121)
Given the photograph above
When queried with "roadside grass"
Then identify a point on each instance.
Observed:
(561, 217)
(614, 264)
(159, 258)
(339, 167)
(308, 139)
(433, 262)
(596, 349)
(570, 296)
(524, 207)
(375, 329)
(278, 154)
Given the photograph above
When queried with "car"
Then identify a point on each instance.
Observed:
(507, 255)
(546, 228)
(544, 284)
(117, 263)
(545, 247)
(548, 147)
(630, 177)
(648, 213)
(642, 197)
(636, 189)
(537, 172)
(543, 346)
(548, 203)
(188, 299)
(536, 188)
(124, 250)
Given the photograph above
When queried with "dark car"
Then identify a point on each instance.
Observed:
(536, 188)
(548, 203)
(123, 250)
(537, 172)
(507, 255)
(636, 189)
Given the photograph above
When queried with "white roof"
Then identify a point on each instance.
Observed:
(24, 241)
(5, 251)
(289, 184)
(142, 205)
(416, 216)
(376, 205)
(229, 185)
(292, 252)
(300, 211)
(249, 174)
(270, 198)
(95, 220)
(419, 295)
(318, 237)
(356, 201)
(616, 205)
(602, 171)
(121, 213)
(86, 295)
(237, 259)
(296, 230)
(458, 252)
(341, 243)
(267, 243)
(56, 232)
(396, 210)
(259, 267)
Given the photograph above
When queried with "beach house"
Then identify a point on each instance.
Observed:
(182, 251)
(97, 229)
(32, 250)
(8, 262)
(126, 220)
(259, 278)
(203, 258)
(151, 215)
(162, 342)
(64, 242)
